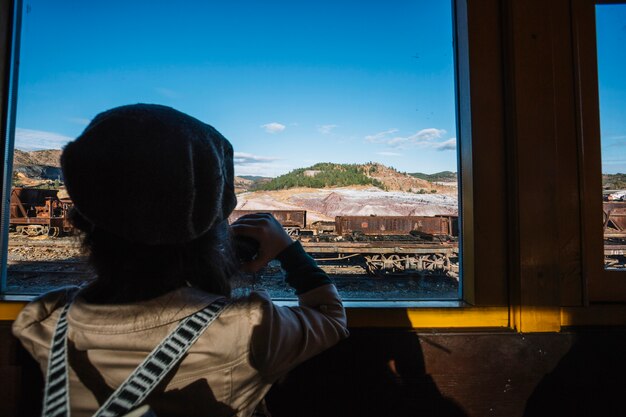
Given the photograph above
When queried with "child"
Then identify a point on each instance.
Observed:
(153, 188)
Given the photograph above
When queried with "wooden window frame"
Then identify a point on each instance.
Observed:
(10, 22)
(603, 285)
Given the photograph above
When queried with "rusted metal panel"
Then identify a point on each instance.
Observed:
(30, 202)
(614, 216)
(31, 208)
(393, 225)
(287, 218)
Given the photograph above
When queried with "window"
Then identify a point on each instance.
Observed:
(342, 116)
(596, 35)
(611, 33)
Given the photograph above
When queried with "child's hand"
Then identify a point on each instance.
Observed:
(266, 230)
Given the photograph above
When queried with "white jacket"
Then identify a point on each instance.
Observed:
(226, 372)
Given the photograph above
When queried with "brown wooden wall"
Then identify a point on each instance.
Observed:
(396, 373)
(387, 373)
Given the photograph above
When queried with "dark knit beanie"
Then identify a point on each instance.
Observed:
(150, 174)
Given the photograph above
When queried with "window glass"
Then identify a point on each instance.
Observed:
(341, 114)
(611, 36)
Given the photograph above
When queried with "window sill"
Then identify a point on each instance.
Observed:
(440, 315)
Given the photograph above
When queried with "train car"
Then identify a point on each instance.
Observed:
(396, 225)
(36, 212)
(393, 244)
(614, 218)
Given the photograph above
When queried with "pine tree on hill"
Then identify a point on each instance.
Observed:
(321, 175)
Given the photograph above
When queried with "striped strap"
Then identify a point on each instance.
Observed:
(144, 378)
(56, 401)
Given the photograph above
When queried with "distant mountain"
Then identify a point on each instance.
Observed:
(443, 176)
(43, 167)
(614, 181)
(255, 177)
(244, 183)
(37, 168)
(326, 174)
(48, 157)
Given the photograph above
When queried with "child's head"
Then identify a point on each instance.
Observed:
(152, 189)
(150, 174)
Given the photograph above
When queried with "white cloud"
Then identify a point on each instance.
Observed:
(325, 129)
(243, 158)
(426, 138)
(422, 137)
(397, 141)
(428, 134)
(273, 127)
(250, 164)
(448, 145)
(264, 169)
(32, 140)
(380, 136)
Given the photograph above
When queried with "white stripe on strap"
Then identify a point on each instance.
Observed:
(56, 402)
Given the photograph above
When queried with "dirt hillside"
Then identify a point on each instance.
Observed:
(398, 181)
(325, 204)
(48, 157)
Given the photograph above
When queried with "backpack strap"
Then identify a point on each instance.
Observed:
(141, 381)
(56, 401)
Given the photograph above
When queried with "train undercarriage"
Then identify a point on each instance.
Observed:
(380, 258)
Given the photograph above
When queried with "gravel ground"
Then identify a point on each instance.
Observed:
(37, 265)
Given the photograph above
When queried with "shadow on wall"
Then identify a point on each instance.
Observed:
(369, 374)
(589, 380)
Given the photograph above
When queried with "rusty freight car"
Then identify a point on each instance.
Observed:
(396, 225)
(37, 212)
(389, 244)
(614, 218)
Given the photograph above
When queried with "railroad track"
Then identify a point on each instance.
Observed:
(65, 243)
(68, 267)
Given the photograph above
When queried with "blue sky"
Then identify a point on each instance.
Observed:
(611, 41)
(288, 83)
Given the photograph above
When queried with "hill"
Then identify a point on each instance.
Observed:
(37, 168)
(443, 176)
(326, 174)
(322, 175)
(614, 181)
(48, 157)
(43, 168)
